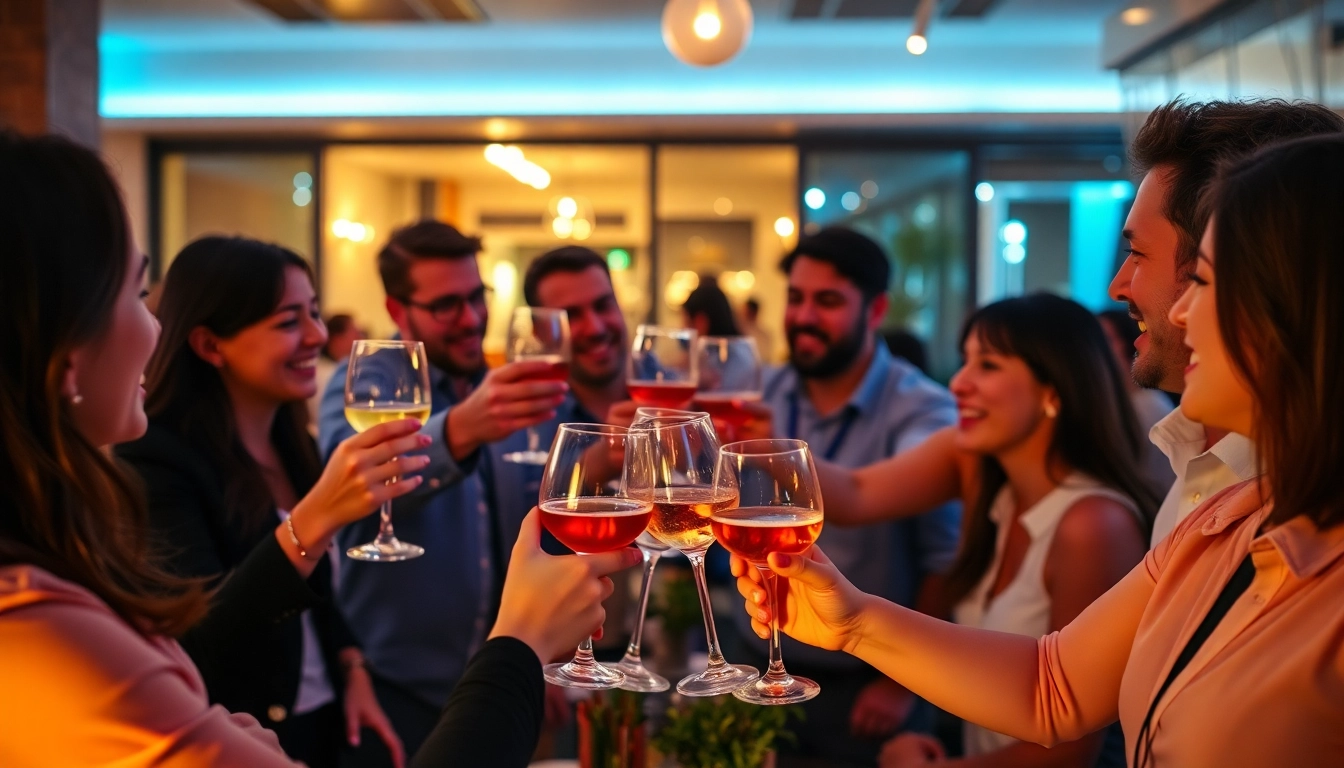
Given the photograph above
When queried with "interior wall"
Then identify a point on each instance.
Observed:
(126, 156)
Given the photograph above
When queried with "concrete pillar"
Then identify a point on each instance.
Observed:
(49, 67)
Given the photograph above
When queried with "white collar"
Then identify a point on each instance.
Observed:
(1182, 440)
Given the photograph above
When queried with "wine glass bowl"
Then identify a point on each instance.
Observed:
(729, 376)
(779, 510)
(542, 335)
(661, 368)
(595, 497)
(386, 381)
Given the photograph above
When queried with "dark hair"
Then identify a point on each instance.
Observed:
(64, 505)
(709, 300)
(1279, 265)
(1193, 138)
(336, 325)
(566, 258)
(426, 239)
(225, 284)
(855, 256)
(1096, 431)
(1126, 327)
(907, 345)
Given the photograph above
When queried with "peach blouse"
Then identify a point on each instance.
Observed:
(1267, 687)
(81, 687)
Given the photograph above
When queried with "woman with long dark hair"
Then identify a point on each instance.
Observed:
(1224, 646)
(229, 468)
(1046, 460)
(88, 617)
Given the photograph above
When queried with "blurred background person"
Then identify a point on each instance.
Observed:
(708, 311)
(234, 485)
(1150, 405)
(751, 326)
(907, 346)
(342, 333)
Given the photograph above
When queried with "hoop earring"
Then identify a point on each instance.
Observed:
(1051, 411)
(76, 399)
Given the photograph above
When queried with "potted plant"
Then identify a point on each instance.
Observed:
(722, 732)
(611, 730)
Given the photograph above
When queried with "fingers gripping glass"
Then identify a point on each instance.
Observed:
(685, 452)
(540, 335)
(595, 497)
(386, 381)
(779, 510)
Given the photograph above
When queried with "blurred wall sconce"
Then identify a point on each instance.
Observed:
(705, 33)
(510, 159)
(353, 231)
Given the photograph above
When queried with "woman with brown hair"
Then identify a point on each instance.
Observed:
(1225, 646)
(1045, 458)
(93, 675)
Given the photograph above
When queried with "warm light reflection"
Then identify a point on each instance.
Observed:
(707, 25)
(917, 44)
(784, 226)
(1136, 16)
(511, 160)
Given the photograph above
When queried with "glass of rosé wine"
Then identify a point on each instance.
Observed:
(661, 370)
(542, 335)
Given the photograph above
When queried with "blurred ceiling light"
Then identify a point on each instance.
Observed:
(868, 189)
(723, 206)
(583, 229)
(704, 33)
(303, 180)
(567, 207)
(984, 191)
(679, 287)
(505, 279)
(511, 160)
(1014, 253)
(1014, 233)
(814, 198)
(562, 227)
(918, 42)
(302, 196)
(850, 201)
(353, 231)
(744, 280)
(1136, 16)
(783, 226)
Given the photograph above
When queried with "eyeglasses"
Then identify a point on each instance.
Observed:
(447, 309)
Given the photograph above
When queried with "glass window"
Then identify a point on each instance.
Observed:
(727, 213)
(913, 203)
(522, 200)
(267, 196)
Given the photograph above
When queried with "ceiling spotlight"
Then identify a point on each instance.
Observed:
(1136, 16)
(704, 33)
(918, 42)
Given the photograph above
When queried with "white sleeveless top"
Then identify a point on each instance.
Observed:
(1023, 607)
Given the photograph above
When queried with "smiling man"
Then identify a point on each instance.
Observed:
(1178, 150)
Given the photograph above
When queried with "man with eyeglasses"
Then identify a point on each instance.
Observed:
(419, 621)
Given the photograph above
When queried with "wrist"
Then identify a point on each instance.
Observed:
(311, 527)
(537, 644)
(457, 434)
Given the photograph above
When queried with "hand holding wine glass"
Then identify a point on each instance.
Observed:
(779, 515)
(538, 334)
(386, 381)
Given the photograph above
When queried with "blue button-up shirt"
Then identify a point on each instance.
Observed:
(895, 407)
(419, 621)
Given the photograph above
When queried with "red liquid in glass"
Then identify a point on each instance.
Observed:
(595, 524)
(754, 532)
(727, 406)
(557, 370)
(658, 394)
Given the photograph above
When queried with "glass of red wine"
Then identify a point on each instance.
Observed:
(596, 496)
(730, 374)
(540, 334)
(661, 369)
(779, 510)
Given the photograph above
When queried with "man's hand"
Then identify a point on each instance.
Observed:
(510, 398)
(880, 709)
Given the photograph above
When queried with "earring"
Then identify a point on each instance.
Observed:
(1051, 411)
(76, 399)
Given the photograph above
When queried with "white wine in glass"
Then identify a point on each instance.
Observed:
(386, 381)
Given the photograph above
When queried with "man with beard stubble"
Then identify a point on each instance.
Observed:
(1178, 150)
(854, 403)
(419, 621)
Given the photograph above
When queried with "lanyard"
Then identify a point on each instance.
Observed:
(851, 415)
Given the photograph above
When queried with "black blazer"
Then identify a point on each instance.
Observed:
(249, 646)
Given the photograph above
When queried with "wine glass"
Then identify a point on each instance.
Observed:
(595, 497)
(661, 371)
(685, 452)
(540, 334)
(386, 381)
(637, 676)
(730, 375)
(779, 510)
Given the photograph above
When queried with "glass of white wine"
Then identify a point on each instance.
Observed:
(386, 381)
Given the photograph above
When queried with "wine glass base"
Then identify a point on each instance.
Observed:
(536, 458)
(390, 551)
(716, 682)
(594, 676)
(638, 678)
(770, 692)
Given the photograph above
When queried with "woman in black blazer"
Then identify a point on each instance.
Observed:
(237, 495)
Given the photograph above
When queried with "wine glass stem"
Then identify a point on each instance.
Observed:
(702, 586)
(650, 562)
(385, 533)
(584, 655)
(776, 668)
(533, 439)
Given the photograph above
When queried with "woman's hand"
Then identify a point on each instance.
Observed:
(363, 711)
(355, 481)
(817, 604)
(552, 603)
